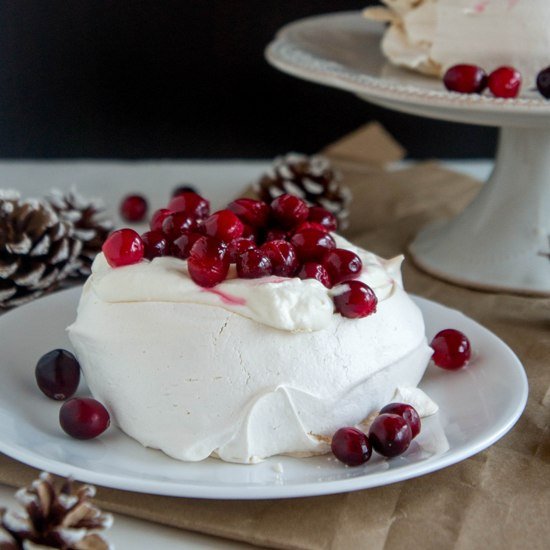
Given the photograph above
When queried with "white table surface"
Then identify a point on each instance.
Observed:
(219, 181)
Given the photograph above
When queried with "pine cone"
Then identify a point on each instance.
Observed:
(54, 518)
(36, 250)
(91, 225)
(310, 178)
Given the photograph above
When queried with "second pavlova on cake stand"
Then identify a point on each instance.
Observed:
(501, 240)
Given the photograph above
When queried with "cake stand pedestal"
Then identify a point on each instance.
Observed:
(501, 241)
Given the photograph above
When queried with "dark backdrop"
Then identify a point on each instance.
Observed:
(181, 78)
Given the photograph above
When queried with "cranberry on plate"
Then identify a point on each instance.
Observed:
(83, 418)
(452, 349)
(58, 374)
(351, 446)
(390, 435)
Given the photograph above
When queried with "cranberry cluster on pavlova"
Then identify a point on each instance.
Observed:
(250, 332)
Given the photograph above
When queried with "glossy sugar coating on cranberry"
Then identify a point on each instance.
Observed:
(543, 82)
(320, 215)
(355, 300)
(224, 225)
(465, 79)
(208, 262)
(250, 232)
(407, 412)
(190, 203)
(452, 349)
(282, 256)
(314, 270)
(238, 246)
(123, 247)
(83, 418)
(342, 265)
(251, 211)
(289, 211)
(311, 225)
(351, 446)
(183, 188)
(254, 264)
(177, 223)
(390, 435)
(155, 243)
(133, 208)
(276, 234)
(58, 374)
(181, 247)
(312, 244)
(505, 82)
(158, 217)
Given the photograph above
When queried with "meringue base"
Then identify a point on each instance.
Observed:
(200, 380)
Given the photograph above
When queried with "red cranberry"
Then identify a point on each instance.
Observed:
(356, 300)
(312, 244)
(123, 247)
(181, 247)
(224, 225)
(282, 256)
(190, 203)
(249, 232)
(543, 82)
(177, 223)
(83, 417)
(351, 446)
(158, 217)
(239, 246)
(276, 234)
(406, 412)
(451, 349)
(313, 270)
(311, 225)
(156, 244)
(208, 263)
(253, 264)
(58, 374)
(465, 79)
(505, 82)
(322, 216)
(342, 265)
(390, 435)
(250, 211)
(289, 211)
(184, 188)
(133, 208)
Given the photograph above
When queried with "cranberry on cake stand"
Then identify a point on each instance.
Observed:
(501, 240)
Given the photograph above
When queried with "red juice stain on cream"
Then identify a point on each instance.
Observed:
(226, 298)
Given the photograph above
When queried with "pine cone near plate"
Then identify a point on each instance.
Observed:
(37, 250)
(91, 225)
(54, 518)
(310, 178)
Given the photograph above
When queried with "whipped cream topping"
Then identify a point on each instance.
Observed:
(432, 35)
(284, 303)
(200, 373)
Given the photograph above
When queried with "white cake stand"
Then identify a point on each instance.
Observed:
(501, 241)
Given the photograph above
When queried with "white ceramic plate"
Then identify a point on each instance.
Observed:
(478, 405)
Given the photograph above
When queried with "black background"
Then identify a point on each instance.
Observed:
(186, 78)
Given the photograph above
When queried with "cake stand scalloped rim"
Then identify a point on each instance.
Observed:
(286, 55)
